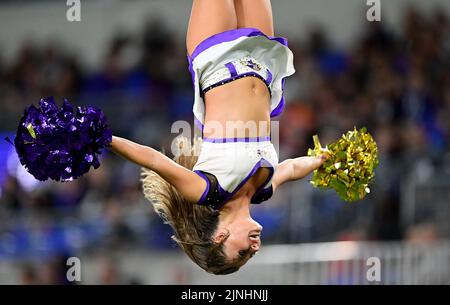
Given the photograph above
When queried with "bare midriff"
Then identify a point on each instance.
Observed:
(239, 109)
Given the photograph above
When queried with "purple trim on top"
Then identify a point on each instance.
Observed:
(262, 188)
(257, 166)
(232, 69)
(233, 140)
(232, 35)
(279, 109)
(227, 195)
(205, 192)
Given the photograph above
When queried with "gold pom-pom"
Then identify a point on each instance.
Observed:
(350, 167)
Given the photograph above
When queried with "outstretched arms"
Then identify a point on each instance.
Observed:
(188, 183)
(294, 169)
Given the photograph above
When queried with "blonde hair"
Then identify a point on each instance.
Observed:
(193, 225)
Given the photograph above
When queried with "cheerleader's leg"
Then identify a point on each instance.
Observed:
(255, 14)
(209, 17)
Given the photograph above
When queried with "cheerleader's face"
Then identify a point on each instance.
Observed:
(243, 238)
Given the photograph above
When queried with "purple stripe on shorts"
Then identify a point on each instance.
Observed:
(191, 70)
(233, 140)
(232, 69)
(198, 123)
(269, 77)
(232, 35)
(279, 109)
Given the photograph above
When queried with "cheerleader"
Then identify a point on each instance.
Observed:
(238, 69)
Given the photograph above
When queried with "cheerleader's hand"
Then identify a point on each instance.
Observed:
(298, 168)
(318, 161)
(303, 166)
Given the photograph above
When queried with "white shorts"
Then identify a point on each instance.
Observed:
(237, 53)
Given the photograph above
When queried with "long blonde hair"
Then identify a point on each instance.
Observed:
(193, 225)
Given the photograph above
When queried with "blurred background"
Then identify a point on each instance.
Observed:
(129, 58)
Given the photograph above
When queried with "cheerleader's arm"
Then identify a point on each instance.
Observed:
(188, 183)
(295, 169)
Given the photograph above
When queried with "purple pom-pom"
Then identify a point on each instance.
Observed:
(61, 144)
